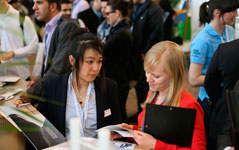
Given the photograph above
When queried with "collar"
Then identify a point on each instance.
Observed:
(52, 23)
(10, 11)
(92, 88)
(98, 14)
(212, 31)
(120, 24)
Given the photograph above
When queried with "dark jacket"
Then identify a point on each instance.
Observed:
(147, 27)
(56, 54)
(223, 68)
(90, 19)
(117, 51)
(55, 90)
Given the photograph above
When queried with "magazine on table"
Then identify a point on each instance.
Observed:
(35, 127)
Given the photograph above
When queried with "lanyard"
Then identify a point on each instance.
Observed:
(136, 12)
(142, 123)
(226, 35)
(86, 107)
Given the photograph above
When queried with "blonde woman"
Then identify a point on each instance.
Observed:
(164, 67)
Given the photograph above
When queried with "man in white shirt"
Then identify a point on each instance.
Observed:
(12, 38)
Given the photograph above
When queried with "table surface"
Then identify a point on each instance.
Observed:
(12, 86)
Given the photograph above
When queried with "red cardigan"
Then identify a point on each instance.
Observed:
(199, 139)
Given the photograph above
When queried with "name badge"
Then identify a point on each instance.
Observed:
(107, 112)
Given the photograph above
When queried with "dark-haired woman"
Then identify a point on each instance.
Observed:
(84, 92)
(216, 15)
(117, 49)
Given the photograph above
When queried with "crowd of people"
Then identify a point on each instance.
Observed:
(93, 49)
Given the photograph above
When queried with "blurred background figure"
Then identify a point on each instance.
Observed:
(222, 75)
(18, 39)
(104, 28)
(168, 12)
(218, 17)
(117, 49)
(79, 6)
(66, 9)
(146, 29)
(92, 17)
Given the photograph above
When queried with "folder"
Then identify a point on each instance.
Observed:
(172, 125)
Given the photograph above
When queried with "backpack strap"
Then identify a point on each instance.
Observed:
(21, 20)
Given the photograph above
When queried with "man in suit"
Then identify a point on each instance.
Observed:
(223, 68)
(147, 30)
(92, 17)
(56, 41)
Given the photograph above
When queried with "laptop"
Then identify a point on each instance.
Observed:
(172, 125)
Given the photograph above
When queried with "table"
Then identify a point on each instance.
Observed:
(92, 141)
(11, 139)
(19, 84)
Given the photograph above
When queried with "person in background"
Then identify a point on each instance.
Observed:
(117, 49)
(56, 42)
(83, 92)
(79, 6)
(104, 28)
(18, 6)
(167, 18)
(17, 41)
(165, 72)
(147, 30)
(216, 15)
(66, 9)
(92, 17)
(223, 68)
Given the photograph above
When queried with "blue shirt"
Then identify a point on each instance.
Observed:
(204, 46)
(89, 124)
(49, 29)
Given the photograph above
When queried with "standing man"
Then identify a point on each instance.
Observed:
(17, 41)
(104, 28)
(56, 41)
(223, 68)
(66, 9)
(147, 29)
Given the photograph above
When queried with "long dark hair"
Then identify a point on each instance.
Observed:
(207, 8)
(80, 42)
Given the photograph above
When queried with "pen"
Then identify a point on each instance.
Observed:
(24, 104)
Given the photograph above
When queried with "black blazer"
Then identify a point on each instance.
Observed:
(117, 51)
(54, 96)
(224, 67)
(57, 53)
(147, 27)
(90, 19)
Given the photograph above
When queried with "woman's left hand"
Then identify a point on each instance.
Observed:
(144, 140)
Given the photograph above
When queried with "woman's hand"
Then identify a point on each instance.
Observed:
(114, 135)
(144, 140)
(124, 125)
(17, 102)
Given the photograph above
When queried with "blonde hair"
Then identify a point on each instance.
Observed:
(172, 56)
